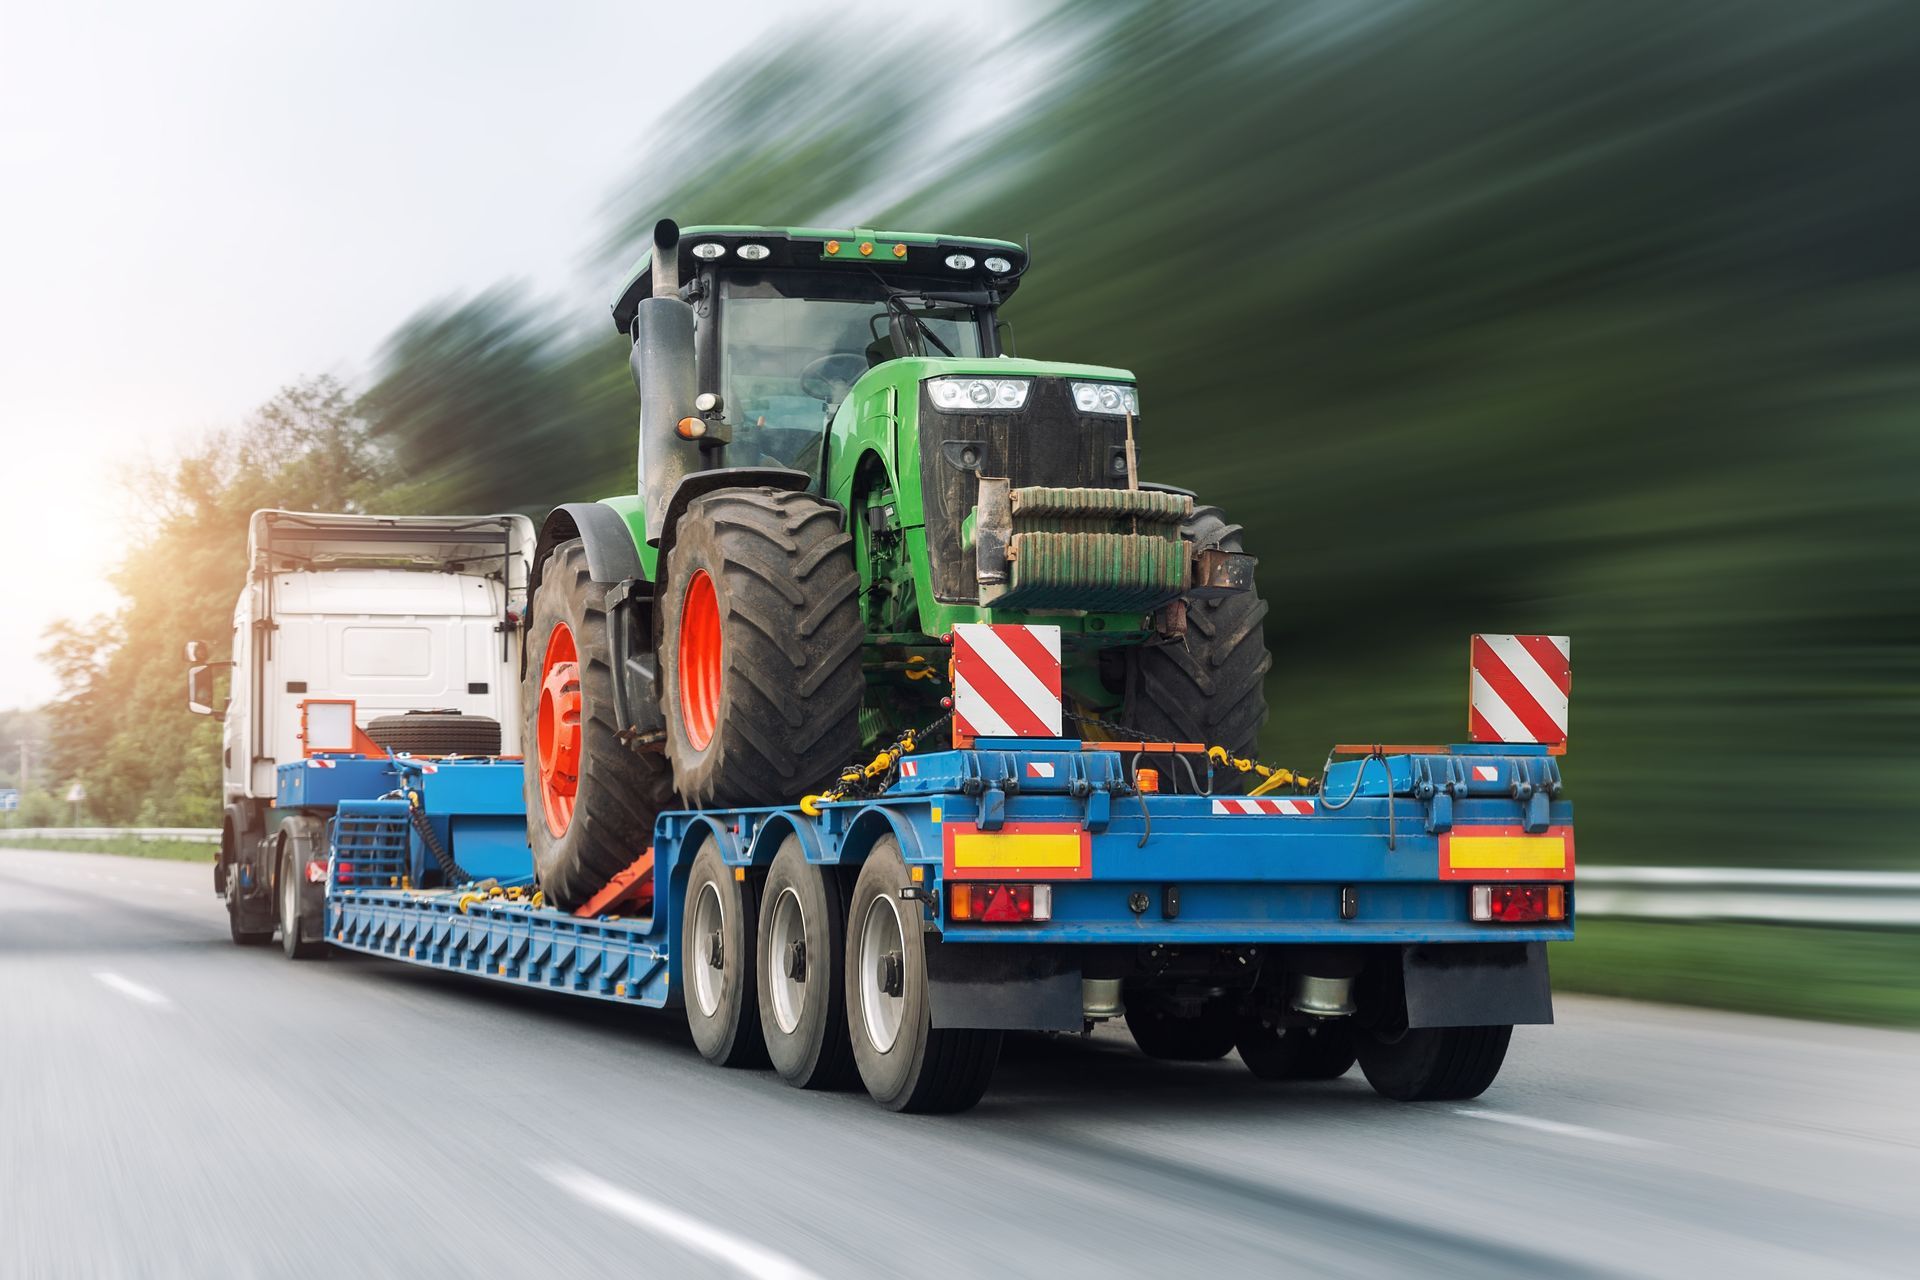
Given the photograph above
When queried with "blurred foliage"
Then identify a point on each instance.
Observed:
(1789, 971)
(1597, 320)
(123, 731)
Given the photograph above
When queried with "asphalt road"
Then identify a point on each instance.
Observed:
(172, 1105)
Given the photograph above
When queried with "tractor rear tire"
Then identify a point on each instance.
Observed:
(1209, 687)
(762, 640)
(591, 800)
(437, 733)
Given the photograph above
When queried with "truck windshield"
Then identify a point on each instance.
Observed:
(792, 345)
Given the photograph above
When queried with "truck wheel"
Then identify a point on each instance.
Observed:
(591, 800)
(242, 936)
(1208, 688)
(1434, 1064)
(437, 733)
(905, 1063)
(763, 631)
(290, 884)
(802, 977)
(717, 966)
(1320, 1052)
(1162, 1030)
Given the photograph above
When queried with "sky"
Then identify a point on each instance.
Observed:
(203, 202)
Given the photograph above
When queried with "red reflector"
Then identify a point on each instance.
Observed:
(1000, 903)
(1518, 903)
(316, 871)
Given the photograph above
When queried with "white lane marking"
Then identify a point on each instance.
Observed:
(131, 989)
(1558, 1128)
(743, 1256)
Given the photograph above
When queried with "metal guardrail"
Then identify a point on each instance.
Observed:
(186, 835)
(1848, 899)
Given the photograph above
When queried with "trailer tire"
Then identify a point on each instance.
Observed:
(717, 967)
(762, 638)
(1434, 1064)
(591, 800)
(1162, 1032)
(905, 1062)
(803, 995)
(288, 896)
(1208, 687)
(1318, 1052)
(436, 733)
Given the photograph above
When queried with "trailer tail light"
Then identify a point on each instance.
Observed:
(316, 870)
(999, 903)
(1518, 903)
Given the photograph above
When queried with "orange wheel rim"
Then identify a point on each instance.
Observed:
(699, 661)
(558, 746)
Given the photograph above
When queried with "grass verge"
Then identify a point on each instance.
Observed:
(126, 846)
(1793, 971)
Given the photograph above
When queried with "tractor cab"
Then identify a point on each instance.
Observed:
(788, 320)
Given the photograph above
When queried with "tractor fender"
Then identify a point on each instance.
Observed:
(701, 483)
(611, 554)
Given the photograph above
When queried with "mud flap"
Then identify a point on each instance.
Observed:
(1480, 984)
(1003, 988)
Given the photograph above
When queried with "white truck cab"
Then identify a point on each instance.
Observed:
(414, 620)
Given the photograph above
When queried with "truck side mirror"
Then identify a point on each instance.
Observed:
(200, 688)
(196, 651)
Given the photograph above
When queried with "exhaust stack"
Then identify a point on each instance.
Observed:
(663, 367)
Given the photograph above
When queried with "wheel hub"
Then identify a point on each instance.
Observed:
(883, 1005)
(700, 654)
(558, 730)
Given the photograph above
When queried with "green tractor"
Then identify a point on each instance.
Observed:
(838, 462)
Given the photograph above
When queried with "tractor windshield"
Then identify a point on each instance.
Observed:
(792, 345)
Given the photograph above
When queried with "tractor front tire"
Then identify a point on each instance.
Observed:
(1208, 687)
(762, 639)
(591, 800)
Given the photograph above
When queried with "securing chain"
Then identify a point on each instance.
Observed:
(1272, 777)
(857, 780)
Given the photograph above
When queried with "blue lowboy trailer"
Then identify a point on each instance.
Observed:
(1397, 913)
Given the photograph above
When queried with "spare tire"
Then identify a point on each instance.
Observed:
(437, 733)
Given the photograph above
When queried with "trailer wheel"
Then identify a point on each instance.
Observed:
(905, 1063)
(762, 626)
(289, 896)
(1209, 687)
(1162, 1029)
(1322, 1051)
(436, 733)
(590, 799)
(717, 965)
(1434, 1064)
(802, 972)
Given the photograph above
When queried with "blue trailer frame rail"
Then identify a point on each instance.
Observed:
(1388, 853)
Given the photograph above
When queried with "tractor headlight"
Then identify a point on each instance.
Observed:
(1113, 399)
(978, 395)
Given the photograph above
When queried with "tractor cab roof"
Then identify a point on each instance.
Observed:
(969, 262)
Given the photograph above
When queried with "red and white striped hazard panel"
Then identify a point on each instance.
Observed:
(1486, 773)
(1039, 768)
(1006, 681)
(1262, 805)
(909, 768)
(1519, 689)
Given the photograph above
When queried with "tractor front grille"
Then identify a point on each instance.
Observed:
(1046, 444)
